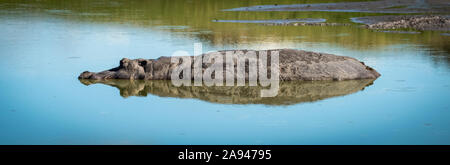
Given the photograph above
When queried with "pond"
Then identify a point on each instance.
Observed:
(45, 45)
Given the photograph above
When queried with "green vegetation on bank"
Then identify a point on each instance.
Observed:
(198, 15)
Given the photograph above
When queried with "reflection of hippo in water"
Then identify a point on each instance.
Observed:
(289, 92)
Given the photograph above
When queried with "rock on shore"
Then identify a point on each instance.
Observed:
(293, 64)
(417, 22)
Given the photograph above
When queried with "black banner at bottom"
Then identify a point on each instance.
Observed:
(229, 153)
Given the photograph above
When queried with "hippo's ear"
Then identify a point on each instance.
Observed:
(123, 61)
(142, 63)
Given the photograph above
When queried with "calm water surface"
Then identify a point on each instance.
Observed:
(45, 45)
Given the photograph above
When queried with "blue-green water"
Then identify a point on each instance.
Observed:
(44, 48)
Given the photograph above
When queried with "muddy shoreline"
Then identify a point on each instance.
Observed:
(434, 16)
(381, 6)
